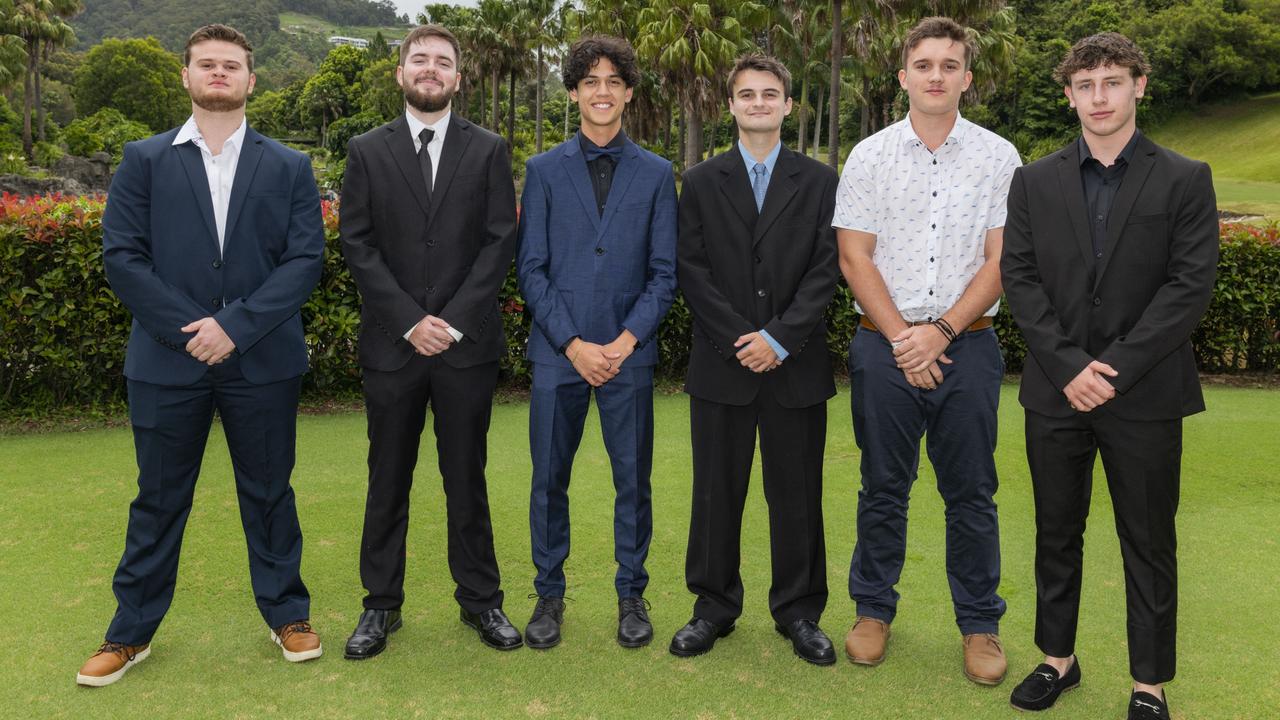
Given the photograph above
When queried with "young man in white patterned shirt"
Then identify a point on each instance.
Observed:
(919, 218)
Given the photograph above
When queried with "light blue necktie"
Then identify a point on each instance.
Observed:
(759, 184)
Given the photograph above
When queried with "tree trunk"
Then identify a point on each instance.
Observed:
(711, 140)
(568, 106)
(496, 80)
(837, 54)
(480, 96)
(817, 124)
(538, 102)
(680, 132)
(803, 121)
(39, 103)
(864, 120)
(666, 133)
(511, 112)
(693, 139)
(27, 100)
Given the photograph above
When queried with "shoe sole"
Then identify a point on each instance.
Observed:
(303, 656)
(988, 682)
(1046, 707)
(695, 653)
(821, 663)
(394, 627)
(631, 645)
(504, 648)
(104, 680)
(541, 646)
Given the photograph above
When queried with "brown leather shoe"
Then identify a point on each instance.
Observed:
(110, 663)
(866, 641)
(298, 641)
(984, 661)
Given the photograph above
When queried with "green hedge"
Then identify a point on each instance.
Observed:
(63, 332)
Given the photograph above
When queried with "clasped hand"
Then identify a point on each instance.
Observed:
(598, 364)
(917, 350)
(431, 336)
(755, 353)
(1090, 388)
(211, 345)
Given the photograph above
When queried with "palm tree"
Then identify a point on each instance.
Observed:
(802, 33)
(40, 24)
(694, 43)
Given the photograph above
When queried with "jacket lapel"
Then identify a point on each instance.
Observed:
(246, 166)
(623, 174)
(575, 166)
(194, 166)
(781, 189)
(1134, 178)
(400, 145)
(1073, 191)
(737, 187)
(455, 144)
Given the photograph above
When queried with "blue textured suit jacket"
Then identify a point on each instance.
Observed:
(585, 275)
(160, 249)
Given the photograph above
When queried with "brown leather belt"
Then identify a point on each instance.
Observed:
(981, 323)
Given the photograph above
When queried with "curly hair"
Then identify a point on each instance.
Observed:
(1108, 48)
(585, 53)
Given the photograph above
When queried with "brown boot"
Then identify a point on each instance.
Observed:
(298, 641)
(984, 661)
(866, 641)
(110, 663)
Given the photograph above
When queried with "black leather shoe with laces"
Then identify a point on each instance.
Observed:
(634, 628)
(370, 636)
(495, 629)
(543, 630)
(1040, 689)
(808, 641)
(1145, 706)
(697, 637)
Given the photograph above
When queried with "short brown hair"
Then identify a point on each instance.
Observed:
(430, 30)
(217, 31)
(762, 63)
(938, 27)
(1108, 48)
(584, 54)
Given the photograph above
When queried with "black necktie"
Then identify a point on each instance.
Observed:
(424, 157)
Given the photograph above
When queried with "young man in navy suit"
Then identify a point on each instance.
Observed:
(596, 265)
(212, 237)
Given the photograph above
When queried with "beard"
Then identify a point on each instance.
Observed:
(217, 103)
(423, 101)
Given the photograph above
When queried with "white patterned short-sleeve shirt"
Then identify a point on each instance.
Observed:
(929, 211)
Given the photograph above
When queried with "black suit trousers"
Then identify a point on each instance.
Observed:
(1142, 460)
(792, 442)
(461, 400)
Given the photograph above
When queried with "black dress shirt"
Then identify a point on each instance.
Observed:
(1100, 186)
(601, 166)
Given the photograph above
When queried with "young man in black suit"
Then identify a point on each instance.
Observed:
(757, 265)
(1110, 254)
(428, 227)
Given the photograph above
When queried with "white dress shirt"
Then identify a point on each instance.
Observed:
(220, 169)
(440, 128)
(930, 211)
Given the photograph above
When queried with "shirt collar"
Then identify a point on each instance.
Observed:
(1126, 154)
(439, 128)
(769, 161)
(909, 137)
(190, 132)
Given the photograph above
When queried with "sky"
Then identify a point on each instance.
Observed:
(413, 7)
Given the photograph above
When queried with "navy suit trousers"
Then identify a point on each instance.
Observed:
(557, 414)
(958, 420)
(170, 427)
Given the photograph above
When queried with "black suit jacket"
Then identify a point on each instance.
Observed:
(1134, 309)
(743, 271)
(411, 258)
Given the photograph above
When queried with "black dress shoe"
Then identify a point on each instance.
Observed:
(370, 636)
(634, 628)
(543, 630)
(495, 629)
(1040, 690)
(809, 642)
(1145, 706)
(698, 637)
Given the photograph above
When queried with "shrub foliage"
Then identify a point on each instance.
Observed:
(63, 332)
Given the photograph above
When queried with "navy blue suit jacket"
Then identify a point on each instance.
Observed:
(160, 250)
(590, 276)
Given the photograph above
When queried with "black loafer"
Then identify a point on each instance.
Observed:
(495, 629)
(634, 628)
(809, 642)
(370, 636)
(543, 630)
(1145, 706)
(698, 637)
(1040, 689)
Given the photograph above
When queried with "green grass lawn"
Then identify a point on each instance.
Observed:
(1242, 142)
(65, 495)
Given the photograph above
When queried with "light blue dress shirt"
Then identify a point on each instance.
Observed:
(769, 162)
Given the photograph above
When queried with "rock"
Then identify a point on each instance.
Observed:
(23, 185)
(92, 174)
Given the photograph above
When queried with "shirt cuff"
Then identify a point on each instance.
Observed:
(778, 350)
(409, 332)
(457, 336)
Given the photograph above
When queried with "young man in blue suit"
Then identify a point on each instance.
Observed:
(212, 237)
(597, 268)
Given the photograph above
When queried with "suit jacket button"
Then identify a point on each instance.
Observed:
(599, 251)
(215, 302)
(1097, 301)
(758, 259)
(761, 292)
(431, 243)
(217, 264)
(431, 289)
